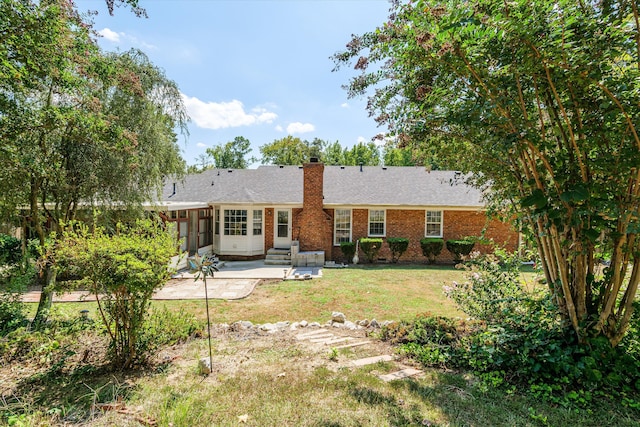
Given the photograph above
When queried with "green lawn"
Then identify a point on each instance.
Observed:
(383, 292)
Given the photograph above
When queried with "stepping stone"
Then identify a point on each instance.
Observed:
(372, 360)
(312, 334)
(398, 375)
(321, 339)
(353, 344)
(337, 340)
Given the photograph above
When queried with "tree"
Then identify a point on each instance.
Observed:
(334, 154)
(80, 128)
(539, 100)
(286, 151)
(232, 155)
(361, 153)
(123, 270)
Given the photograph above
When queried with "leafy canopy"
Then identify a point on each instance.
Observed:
(539, 100)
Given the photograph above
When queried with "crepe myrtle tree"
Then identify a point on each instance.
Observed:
(539, 100)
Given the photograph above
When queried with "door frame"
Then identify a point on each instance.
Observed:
(282, 242)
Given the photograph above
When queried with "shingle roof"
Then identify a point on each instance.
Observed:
(343, 185)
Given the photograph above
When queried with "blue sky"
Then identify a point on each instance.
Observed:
(258, 69)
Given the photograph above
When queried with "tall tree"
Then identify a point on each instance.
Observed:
(286, 151)
(232, 155)
(366, 154)
(79, 127)
(333, 154)
(540, 100)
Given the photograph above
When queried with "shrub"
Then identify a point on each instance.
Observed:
(460, 248)
(348, 250)
(13, 282)
(371, 247)
(398, 246)
(10, 251)
(431, 248)
(516, 340)
(165, 327)
(125, 268)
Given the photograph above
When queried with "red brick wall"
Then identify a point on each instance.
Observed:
(313, 226)
(268, 229)
(411, 224)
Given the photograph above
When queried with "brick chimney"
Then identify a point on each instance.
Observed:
(314, 222)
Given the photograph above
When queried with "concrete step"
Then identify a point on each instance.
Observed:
(278, 257)
(277, 251)
(398, 375)
(371, 360)
(277, 262)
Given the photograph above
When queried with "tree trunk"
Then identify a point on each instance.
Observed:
(46, 298)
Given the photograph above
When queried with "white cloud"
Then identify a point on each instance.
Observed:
(298, 127)
(201, 145)
(362, 140)
(221, 115)
(279, 128)
(110, 35)
(345, 105)
(123, 38)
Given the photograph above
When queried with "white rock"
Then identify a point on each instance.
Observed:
(303, 324)
(268, 327)
(350, 325)
(314, 325)
(336, 316)
(204, 366)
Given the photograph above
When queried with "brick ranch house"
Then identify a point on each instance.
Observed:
(252, 213)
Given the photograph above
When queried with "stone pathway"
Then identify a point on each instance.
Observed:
(325, 337)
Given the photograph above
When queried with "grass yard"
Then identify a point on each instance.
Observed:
(383, 292)
(263, 379)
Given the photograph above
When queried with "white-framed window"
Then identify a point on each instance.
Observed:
(342, 226)
(235, 222)
(257, 222)
(433, 224)
(217, 221)
(376, 223)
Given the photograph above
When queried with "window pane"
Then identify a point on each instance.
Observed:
(433, 224)
(235, 222)
(257, 223)
(283, 224)
(342, 226)
(376, 223)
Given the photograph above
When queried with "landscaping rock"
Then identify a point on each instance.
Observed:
(338, 317)
(350, 325)
(303, 324)
(374, 324)
(204, 366)
(364, 322)
(269, 327)
(314, 325)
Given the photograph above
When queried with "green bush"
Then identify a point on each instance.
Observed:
(348, 250)
(125, 268)
(165, 327)
(515, 340)
(13, 282)
(371, 247)
(460, 248)
(10, 251)
(398, 246)
(431, 248)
